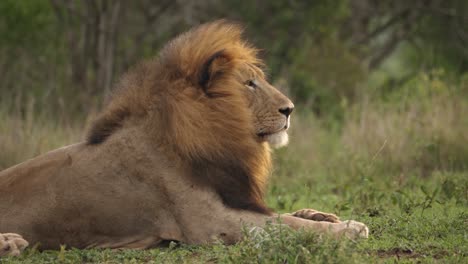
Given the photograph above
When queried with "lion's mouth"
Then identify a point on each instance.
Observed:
(266, 134)
(278, 137)
(263, 134)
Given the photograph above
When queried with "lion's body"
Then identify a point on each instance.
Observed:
(181, 152)
(77, 196)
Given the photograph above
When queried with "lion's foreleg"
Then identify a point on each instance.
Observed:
(350, 229)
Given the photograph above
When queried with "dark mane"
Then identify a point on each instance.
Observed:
(235, 185)
(105, 125)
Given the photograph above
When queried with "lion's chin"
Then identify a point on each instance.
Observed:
(278, 140)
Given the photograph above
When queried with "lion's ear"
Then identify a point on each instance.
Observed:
(213, 68)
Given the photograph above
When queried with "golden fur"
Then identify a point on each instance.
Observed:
(180, 152)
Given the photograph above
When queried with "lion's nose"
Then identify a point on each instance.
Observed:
(287, 110)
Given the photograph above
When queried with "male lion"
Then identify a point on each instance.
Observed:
(181, 152)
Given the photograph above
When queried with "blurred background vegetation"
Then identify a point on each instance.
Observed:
(385, 81)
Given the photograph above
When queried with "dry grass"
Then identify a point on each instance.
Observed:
(26, 132)
(428, 132)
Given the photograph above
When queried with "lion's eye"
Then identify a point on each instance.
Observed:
(251, 84)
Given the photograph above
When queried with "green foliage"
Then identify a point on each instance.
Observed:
(327, 77)
(25, 24)
(306, 43)
(443, 41)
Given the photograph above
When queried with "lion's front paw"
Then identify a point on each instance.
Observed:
(351, 229)
(315, 215)
(12, 244)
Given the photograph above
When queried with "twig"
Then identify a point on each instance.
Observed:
(380, 150)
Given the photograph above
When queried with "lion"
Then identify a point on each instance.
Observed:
(181, 152)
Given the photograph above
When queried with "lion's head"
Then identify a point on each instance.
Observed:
(205, 99)
(217, 76)
(270, 110)
(226, 75)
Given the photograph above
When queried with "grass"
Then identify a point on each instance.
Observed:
(27, 131)
(400, 168)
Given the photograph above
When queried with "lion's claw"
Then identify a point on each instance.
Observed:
(315, 215)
